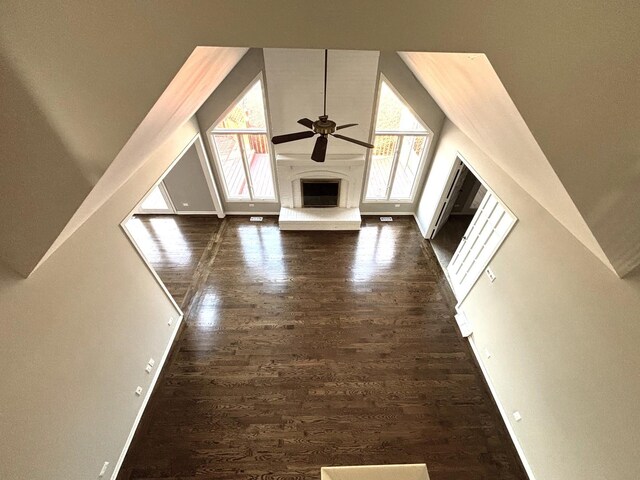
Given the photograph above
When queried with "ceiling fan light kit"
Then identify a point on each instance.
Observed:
(322, 127)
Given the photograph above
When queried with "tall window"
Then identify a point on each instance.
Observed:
(401, 142)
(242, 150)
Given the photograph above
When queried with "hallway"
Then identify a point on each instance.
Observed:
(309, 349)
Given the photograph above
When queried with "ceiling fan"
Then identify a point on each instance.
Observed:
(323, 127)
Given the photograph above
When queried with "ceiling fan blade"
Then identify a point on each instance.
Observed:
(346, 125)
(290, 137)
(320, 149)
(353, 140)
(306, 122)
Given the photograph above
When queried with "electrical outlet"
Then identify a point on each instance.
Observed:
(517, 417)
(185, 204)
(151, 362)
(251, 205)
(139, 391)
(487, 353)
(170, 322)
(103, 470)
(148, 368)
(397, 205)
(490, 274)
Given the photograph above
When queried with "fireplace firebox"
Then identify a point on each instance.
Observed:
(320, 192)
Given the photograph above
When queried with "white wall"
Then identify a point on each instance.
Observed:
(563, 332)
(76, 337)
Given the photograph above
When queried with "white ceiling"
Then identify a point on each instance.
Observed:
(294, 80)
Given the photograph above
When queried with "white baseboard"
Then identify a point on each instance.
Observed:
(195, 212)
(503, 412)
(272, 214)
(397, 214)
(147, 396)
(422, 230)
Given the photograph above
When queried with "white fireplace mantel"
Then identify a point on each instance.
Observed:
(305, 160)
(349, 169)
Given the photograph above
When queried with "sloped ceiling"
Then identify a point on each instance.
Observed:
(85, 74)
(470, 93)
(295, 79)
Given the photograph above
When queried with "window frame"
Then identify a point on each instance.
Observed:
(170, 210)
(427, 134)
(237, 133)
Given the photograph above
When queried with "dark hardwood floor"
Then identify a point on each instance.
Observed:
(174, 245)
(310, 349)
(449, 237)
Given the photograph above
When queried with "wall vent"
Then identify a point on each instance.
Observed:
(386, 219)
(255, 219)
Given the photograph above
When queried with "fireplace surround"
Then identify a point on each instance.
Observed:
(294, 171)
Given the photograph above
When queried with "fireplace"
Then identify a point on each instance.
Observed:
(320, 192)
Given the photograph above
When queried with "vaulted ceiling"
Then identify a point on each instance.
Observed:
(78, 80)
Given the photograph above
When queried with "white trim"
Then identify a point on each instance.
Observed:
(147, 396)
(255, 213)
(245, 90)
(167, 198)
(461, 296)
(146, 262)
(502, 410)
(423, 232)
(211, 131)
(486, 185)
(475, 173)
(198, 212)
(123, 223)
(427, 133)
(397, 214)
(208, 176)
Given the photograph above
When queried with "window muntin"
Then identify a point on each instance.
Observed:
(242, 150)
(401, 141)
(380, 164)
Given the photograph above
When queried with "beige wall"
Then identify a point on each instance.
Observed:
(470, 93)
(563, 332)
(76, 338)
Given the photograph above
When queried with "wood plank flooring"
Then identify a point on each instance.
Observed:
(310, 349)
(449, 237)
(174, 245)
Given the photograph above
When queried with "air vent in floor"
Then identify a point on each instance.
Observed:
(386, 219)
(255, 219)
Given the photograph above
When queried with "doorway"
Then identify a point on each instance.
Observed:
(469, 225)
(463, 199)
(170, 224)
